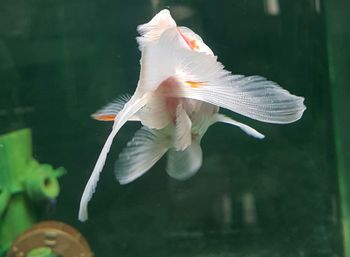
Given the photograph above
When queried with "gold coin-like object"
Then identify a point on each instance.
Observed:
(63, 239)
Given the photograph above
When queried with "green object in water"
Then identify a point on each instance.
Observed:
(23, 182)
(42, 252)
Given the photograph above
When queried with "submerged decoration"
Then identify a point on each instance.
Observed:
(178, 96)
(25, 185)
(50, 239)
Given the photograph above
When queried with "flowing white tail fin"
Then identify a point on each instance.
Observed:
(129, 109)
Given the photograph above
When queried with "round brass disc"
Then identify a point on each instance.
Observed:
(64, 240)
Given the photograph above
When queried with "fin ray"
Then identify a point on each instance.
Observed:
(252, 96)
(128, 111)
(248, 130)
(141, 153)
(110, 110)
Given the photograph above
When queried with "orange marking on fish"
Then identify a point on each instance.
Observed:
(191, 43)
(195, 84)
(106, 117)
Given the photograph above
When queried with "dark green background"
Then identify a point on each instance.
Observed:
(62, 60)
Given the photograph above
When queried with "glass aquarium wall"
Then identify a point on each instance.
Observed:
(285, 195)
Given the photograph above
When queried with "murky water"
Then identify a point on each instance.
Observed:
(62, 60)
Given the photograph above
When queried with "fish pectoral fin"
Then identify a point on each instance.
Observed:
(182, 165)
(249, 130)
(140, 154)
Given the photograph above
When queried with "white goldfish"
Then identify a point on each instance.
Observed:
(180, 90)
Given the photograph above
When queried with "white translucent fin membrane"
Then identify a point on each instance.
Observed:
(151, 31)
(250, 131)
(182, 165)
(112, 108)
(141, 153)
(253, 96)
(128, 111)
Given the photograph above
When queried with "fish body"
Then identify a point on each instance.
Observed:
(181, 88)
